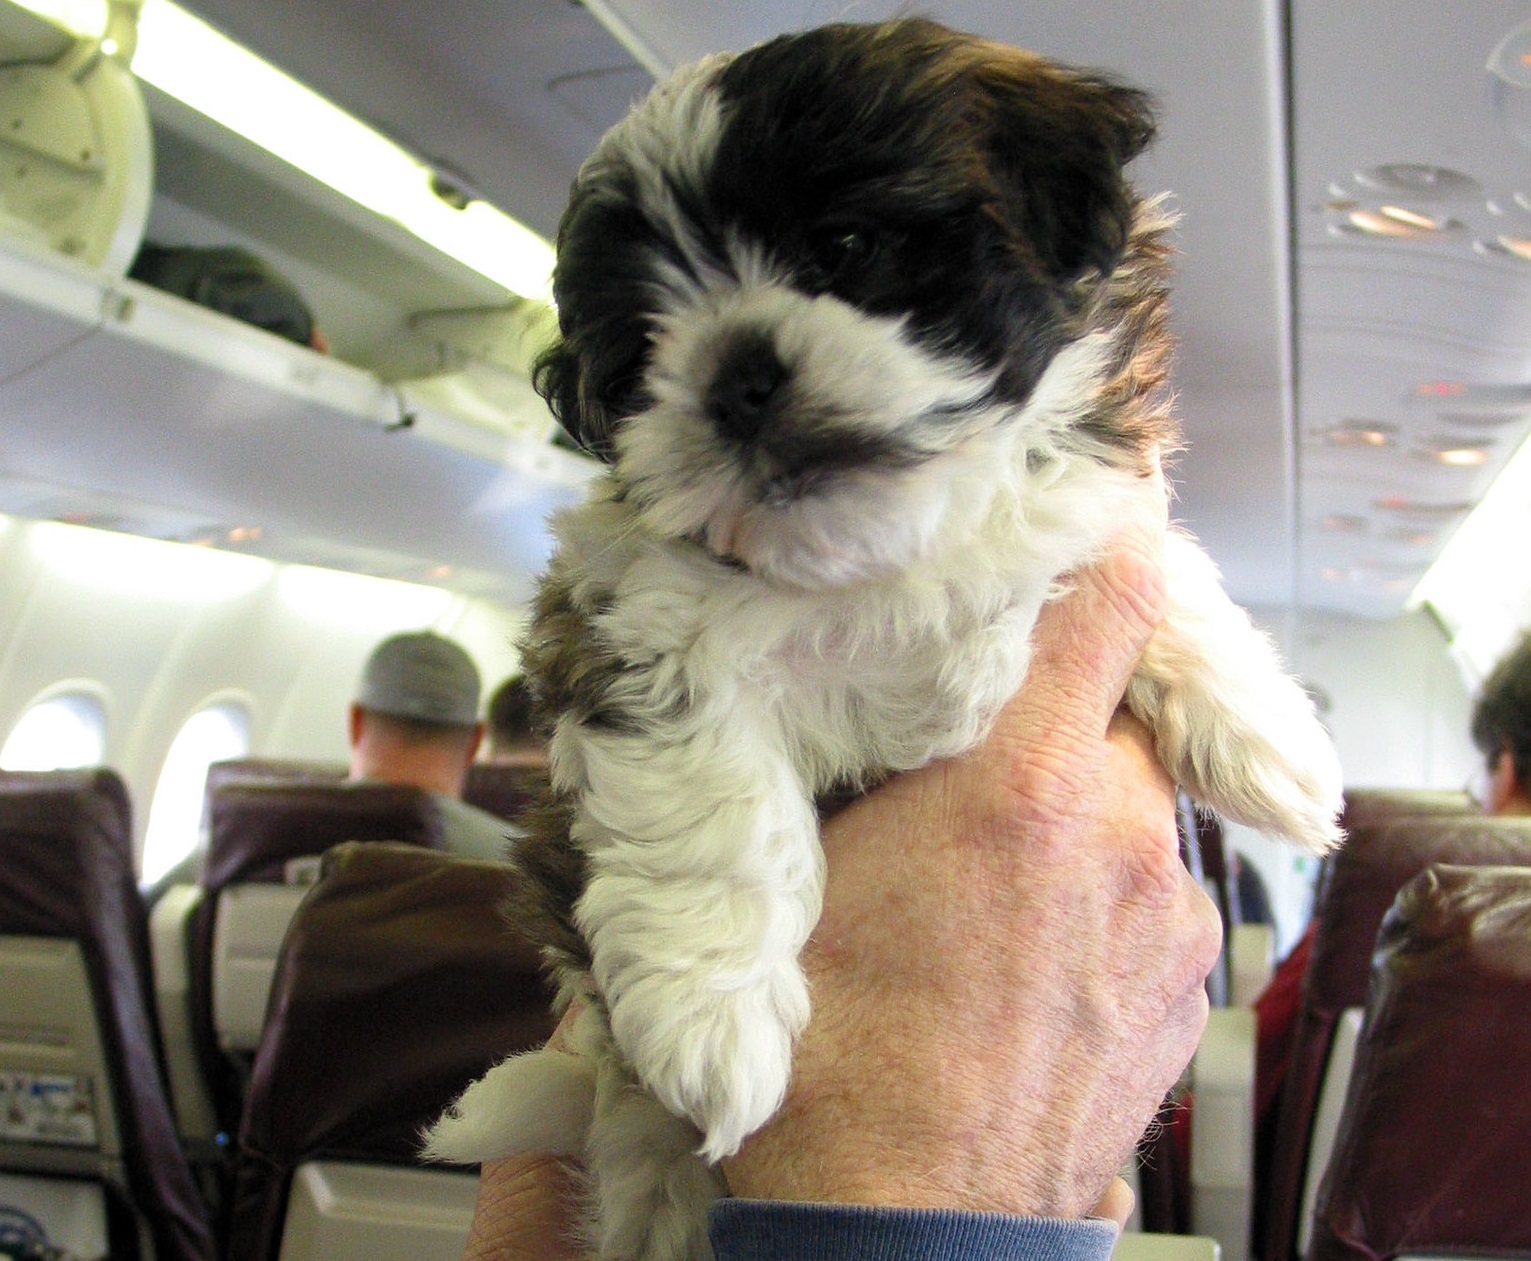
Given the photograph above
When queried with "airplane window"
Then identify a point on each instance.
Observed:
(59, 733)
(175, 815)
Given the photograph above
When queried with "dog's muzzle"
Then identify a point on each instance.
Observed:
(744, 399)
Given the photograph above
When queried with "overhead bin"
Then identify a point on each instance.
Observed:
(416, 449)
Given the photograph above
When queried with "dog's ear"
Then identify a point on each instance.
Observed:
(1058, 141)
(556, 376)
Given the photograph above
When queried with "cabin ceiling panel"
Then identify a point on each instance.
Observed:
(1398, 123)
(1289, 321)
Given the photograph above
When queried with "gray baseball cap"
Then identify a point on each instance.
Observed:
(422, 676)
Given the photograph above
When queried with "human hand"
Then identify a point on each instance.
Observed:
(1008, 974)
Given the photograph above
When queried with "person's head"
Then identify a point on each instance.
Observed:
(414, 719)
(512, 735)
(1501, 728)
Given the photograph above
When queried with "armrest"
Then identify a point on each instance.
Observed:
(1222, 1130)
(169, 925)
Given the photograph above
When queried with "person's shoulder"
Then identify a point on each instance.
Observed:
(470, 831)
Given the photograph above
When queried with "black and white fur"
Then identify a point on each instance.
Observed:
(871, 331)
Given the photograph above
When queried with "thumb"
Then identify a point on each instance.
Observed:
(1087, 642)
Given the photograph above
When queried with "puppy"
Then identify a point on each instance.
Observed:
(871, 332)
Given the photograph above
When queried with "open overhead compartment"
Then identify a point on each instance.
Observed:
(414, 448)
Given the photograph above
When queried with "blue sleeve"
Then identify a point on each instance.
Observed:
(758, 1230)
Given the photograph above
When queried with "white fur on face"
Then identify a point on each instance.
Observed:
(849, 377)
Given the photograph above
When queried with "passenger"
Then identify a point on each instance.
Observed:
(511, 738)
(415, 721)
(1249, 888)
(1501, 728)
(1008, 977)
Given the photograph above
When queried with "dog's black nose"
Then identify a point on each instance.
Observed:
(746, 387)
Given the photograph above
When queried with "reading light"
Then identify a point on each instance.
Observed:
(1399, 221)
(1453, 452)
(186, 58)
(1360, 433)
(1344, 523)
(1416, 181)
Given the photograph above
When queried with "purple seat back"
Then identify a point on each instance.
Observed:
(1383, 852)
(66, 871)
(399, 983)
(1434, 1147)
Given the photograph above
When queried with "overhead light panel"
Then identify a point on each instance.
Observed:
(1402, 223)
(1360, 433)
(186, 58)
(1484, 601)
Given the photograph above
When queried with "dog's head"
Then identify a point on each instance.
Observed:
(807, 294)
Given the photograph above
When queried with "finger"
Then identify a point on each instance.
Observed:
(1087, 644)
(558, 1040)
(1116, 1204)
(525, 1212)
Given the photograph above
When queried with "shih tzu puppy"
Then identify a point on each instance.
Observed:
(870, 330)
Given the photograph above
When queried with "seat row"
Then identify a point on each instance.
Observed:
(157, 1106)
(253, 1085)
(1401, 1125)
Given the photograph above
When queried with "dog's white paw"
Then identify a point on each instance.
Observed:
(1229, 724)
(538, 1102)
(720, 1058)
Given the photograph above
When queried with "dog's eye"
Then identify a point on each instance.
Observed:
(843, 250)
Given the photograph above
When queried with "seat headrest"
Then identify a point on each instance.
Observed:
(504, 790)
(61, 833)
(256, 828)
(1361, 880)
(1364, 806)
(399, 983)
(1432, 1153)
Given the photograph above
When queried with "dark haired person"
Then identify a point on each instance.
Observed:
(511, 738)
(1501, 728)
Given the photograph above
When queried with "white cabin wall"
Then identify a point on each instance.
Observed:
(1400, 707)
(157, 643)
(1398, 713)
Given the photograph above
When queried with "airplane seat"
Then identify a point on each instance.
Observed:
(1356, 886)
(1433, 1147)
(87, 1133)
(1365, 806)
(399, 983)
(503, 790)
(261, 769)
(264, 843)
(173, 909)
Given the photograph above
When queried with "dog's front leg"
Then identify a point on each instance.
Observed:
(705, 879)
(1237, 732)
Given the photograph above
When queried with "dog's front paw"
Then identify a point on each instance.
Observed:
(719, 1058)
